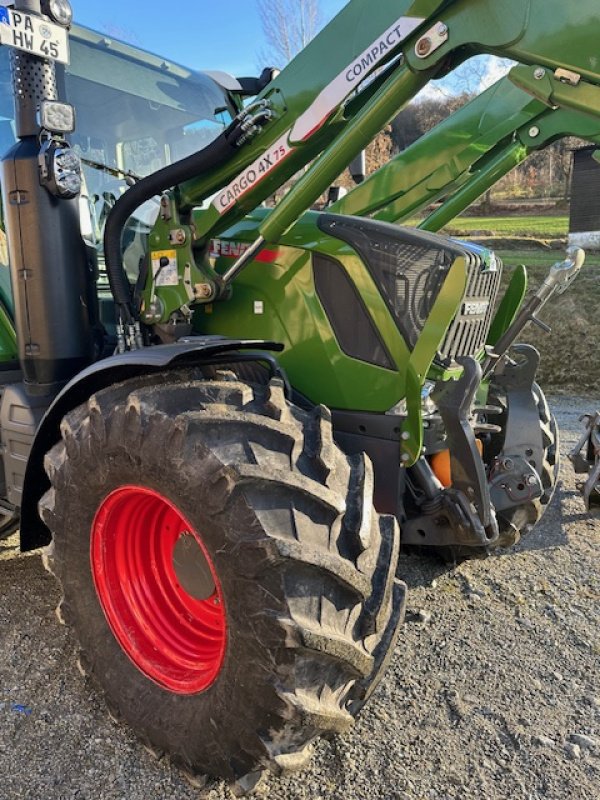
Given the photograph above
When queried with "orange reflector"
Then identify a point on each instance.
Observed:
(440, 464)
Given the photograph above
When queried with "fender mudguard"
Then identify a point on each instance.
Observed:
(192, 351)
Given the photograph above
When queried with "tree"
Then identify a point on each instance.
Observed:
(288, 26)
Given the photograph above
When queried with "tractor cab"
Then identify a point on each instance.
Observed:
(135, 113)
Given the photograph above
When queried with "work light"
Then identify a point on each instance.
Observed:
(60, 169)
(56, 117)
(67, 172)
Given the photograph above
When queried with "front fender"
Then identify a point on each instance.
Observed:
(193, 351)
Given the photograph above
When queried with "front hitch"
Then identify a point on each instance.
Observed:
(454, 401)
(461, 515)
(515, 473)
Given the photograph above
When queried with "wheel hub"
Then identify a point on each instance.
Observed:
(158, 589)
(191, 567)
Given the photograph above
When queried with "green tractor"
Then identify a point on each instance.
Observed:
(219, 419)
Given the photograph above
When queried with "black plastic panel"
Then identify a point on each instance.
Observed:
(353, 327)
(377, 435)
(52, 280)
(585, 187)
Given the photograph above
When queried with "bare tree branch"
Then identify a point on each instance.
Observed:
(288, 26)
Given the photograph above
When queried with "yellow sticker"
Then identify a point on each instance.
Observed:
(164, 267)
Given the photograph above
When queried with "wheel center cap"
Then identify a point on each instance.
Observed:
(192, 568)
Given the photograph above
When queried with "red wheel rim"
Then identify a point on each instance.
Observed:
(174, 638)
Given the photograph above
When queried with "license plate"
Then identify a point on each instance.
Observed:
(33, 35)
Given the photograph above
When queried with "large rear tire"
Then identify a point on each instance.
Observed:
(231, 587)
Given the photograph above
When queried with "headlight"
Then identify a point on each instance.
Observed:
(59, 11)
(60, 169)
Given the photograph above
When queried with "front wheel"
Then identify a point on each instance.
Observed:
(231, 587)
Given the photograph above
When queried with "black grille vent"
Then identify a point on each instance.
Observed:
(409, 267)
(353, 327)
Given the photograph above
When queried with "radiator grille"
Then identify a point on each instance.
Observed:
(410, 266)
(469, 330)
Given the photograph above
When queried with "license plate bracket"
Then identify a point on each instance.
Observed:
(33, 35)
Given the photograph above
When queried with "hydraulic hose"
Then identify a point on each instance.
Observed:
(211, 157)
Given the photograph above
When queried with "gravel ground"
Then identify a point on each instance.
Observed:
(494, 691)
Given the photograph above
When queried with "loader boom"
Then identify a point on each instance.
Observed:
(466, 154)
(346, 106)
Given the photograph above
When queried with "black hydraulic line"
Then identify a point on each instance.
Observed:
(211, 157)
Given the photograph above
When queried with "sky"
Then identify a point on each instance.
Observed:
(204, 34)
(210, 35)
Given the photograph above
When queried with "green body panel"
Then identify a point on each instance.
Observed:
(511, 303)
(8, 337)
(292, 314)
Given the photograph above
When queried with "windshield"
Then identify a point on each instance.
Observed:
(135, 112)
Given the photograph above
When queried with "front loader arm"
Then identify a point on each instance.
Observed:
(533, 32)
(574, 118)
(301, 116)
(444, 157)
(466, 154)
(304, 101)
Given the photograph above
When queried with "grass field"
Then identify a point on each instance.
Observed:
(535, 227)
(529, 226)
(542, 258)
